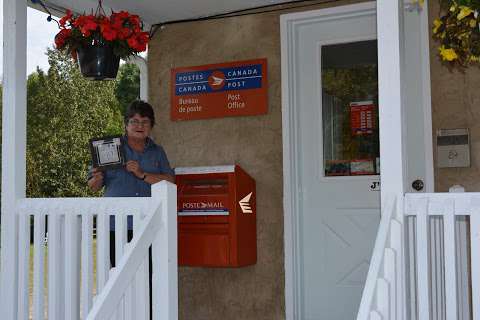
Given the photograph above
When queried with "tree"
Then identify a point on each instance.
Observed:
(64, 111)
(128, 85)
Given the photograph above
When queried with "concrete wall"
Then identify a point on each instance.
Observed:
(455, 104)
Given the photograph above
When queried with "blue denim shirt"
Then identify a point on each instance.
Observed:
(121, 183)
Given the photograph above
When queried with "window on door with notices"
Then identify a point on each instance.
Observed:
(350, 109)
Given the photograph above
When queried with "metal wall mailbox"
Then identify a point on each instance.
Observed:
(216, 217)
(453, 148)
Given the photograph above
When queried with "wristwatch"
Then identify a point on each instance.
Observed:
(144, 176)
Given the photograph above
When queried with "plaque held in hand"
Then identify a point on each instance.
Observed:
(107, 152)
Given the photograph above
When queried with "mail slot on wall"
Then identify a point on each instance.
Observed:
(216, 217)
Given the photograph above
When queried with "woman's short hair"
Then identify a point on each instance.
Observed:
(142, 108)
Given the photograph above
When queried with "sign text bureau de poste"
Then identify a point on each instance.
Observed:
(219, 90)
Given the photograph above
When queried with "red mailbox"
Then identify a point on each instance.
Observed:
(216, 217)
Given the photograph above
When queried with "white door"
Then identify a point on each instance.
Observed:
(338, 155)
(331, 158)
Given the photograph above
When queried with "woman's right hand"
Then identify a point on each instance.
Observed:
(96, 181)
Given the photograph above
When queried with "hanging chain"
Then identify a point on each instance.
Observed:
(100, 11)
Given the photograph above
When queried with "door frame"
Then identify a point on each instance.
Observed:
(292, 192)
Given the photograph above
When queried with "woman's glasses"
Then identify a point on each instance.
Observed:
(136, 123)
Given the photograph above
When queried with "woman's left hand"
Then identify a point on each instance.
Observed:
(133, 167)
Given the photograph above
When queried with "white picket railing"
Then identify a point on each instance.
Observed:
(63, 283)
(459, 257)
(425, 260)
(383, 295)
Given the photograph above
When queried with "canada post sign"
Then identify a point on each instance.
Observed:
(219, 90)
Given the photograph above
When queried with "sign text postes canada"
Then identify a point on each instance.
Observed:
(221, 90)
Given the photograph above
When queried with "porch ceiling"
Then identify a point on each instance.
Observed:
(158, 11)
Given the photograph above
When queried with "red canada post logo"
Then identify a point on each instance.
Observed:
(216, 80)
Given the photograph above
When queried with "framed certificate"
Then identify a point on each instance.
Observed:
(107, 152)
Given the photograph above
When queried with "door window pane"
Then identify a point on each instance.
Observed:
(350, 109)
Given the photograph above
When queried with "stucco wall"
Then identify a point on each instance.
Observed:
(455, 104)
(255, 143)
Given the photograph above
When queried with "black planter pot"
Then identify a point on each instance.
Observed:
(98, 62)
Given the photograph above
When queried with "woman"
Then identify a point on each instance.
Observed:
(146, 164)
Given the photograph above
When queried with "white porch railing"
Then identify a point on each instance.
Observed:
(439, 235)
(63, 282)
(383, 294)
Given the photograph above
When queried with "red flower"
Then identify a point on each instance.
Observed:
(132, 42)
(134, 20)
(86, 24)
(138, 42)
(124, 33)
(121, 30)
(108, 32)
(122, 14)
(66, 18)
(61, 37)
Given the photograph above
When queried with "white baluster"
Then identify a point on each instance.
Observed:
(23, 264)
(120, 241)
(475, 256)
(103, 248)
(141, 294)
(389, 264)
(38, 266)
(450, 261)
(72, 263)
(55, 265)
(383, 299)
(87, 263)
(396, 243)
(130, 298)
(423, 272)
(374, 315)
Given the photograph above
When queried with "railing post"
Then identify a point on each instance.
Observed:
(13, 147)
(475, 256)
(164, 255)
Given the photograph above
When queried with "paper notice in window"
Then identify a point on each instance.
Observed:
(362, 117)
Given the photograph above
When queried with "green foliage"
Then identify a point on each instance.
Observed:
(64, 112)
(128, 85)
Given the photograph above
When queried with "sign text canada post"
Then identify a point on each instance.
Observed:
(219, 90)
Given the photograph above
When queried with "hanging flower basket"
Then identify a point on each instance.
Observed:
(100, 41)
(98, 62)
(457, 31)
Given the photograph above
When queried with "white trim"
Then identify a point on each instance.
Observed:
(13, 146)
(203, 170)
(291, 187)
(427, 102)
(142, 64)
(320, 156)
(389, 32)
